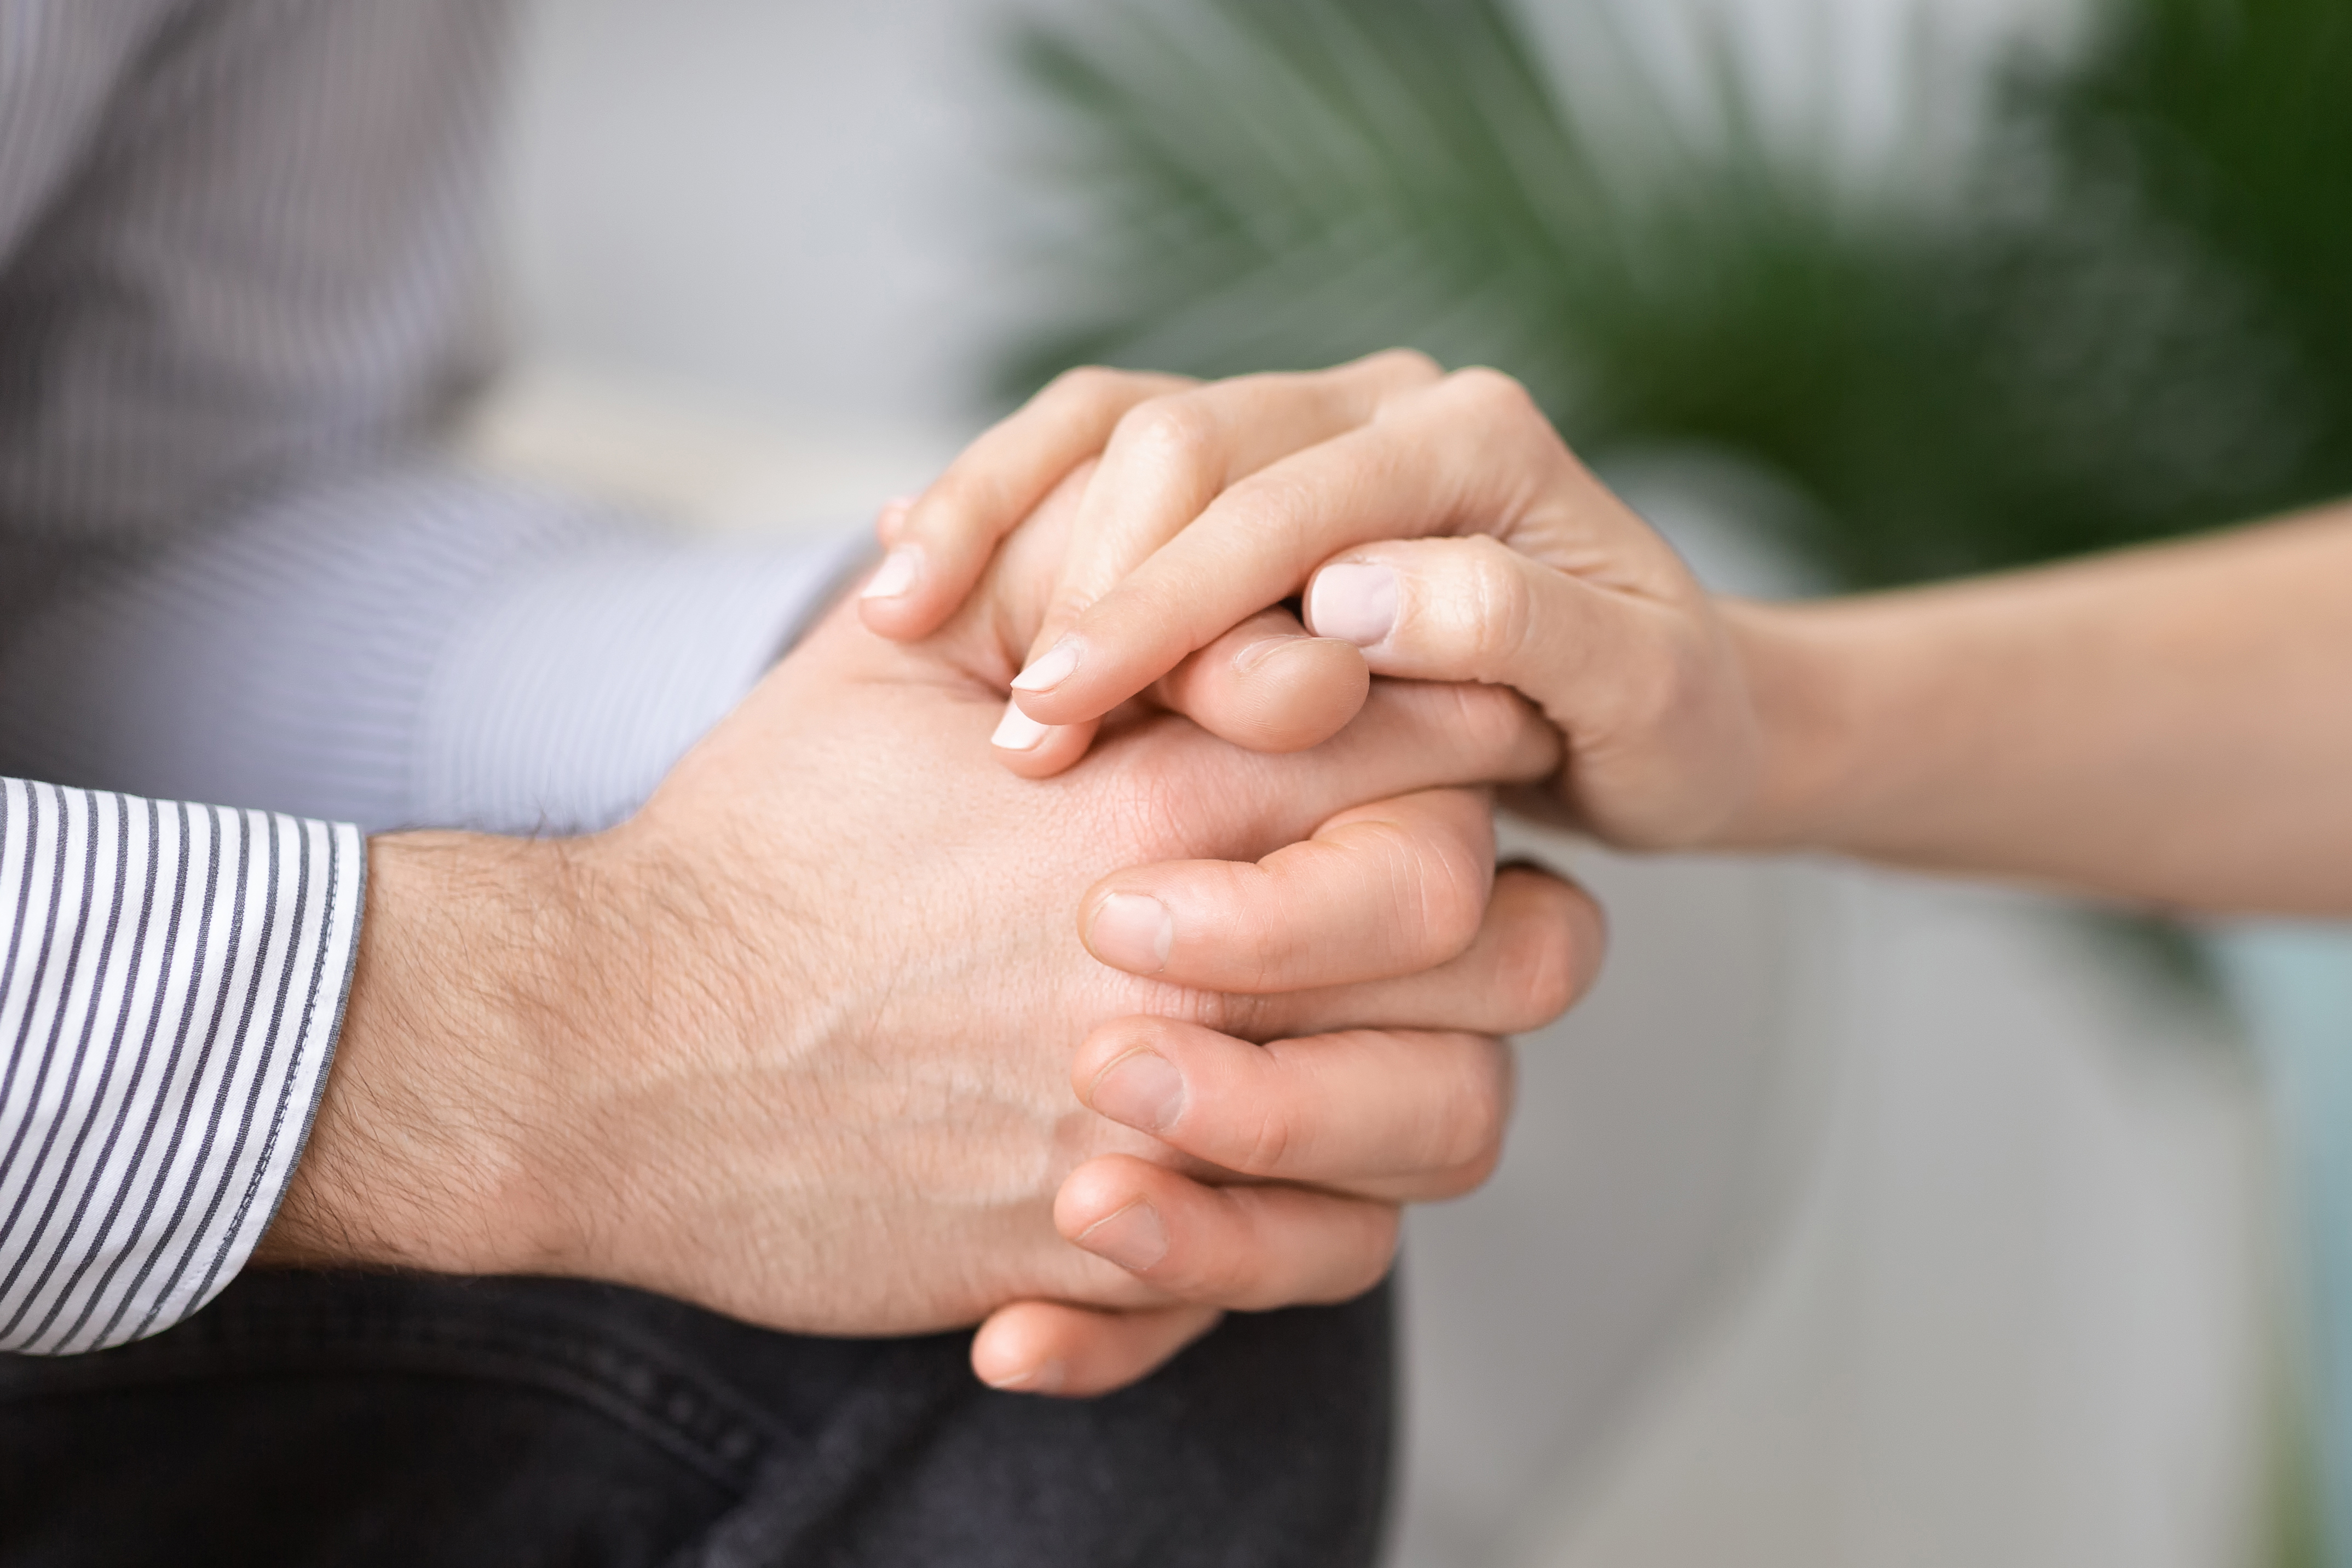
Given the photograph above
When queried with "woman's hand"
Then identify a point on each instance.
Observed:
(1438, 529)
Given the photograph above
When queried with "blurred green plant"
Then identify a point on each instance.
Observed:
(2125, 312)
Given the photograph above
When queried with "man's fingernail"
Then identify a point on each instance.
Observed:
(895, 575)
(1143, 1089)
(1051, 667)
(1133, 1238)
(1046, 1377)
(1258, 652)
(1132, 931)
(1016, 732)
(1355, 603)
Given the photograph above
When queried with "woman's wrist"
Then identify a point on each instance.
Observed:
(1799, 667)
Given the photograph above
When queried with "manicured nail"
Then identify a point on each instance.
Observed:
(1132, 931)
(1051, 667)
(1143, 1089)
(895, 575)
(1046, 1377)
(1016, 732)
(1354, 602)
(1133, 1238)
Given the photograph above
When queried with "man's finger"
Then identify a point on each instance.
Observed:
(1392, 888)
(1250, 1248)
(1410, 736)
(1539, 950)
(1076, 1352)
(1268, 686)
(939, 545)
(1422, 1113)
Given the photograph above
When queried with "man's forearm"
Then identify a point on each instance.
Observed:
(2169, 724)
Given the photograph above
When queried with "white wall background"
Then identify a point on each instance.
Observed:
(1853, 1220)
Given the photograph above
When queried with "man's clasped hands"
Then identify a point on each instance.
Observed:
(847, 1031)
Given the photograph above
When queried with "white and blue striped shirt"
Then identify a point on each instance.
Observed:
(240, 296)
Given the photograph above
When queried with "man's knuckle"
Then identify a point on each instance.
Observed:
(1269, 1149)
(1452, 903)
(1486, 721)
(1237, 1013)
(1369, 1263)
(1477, 1107)
(1537, 968)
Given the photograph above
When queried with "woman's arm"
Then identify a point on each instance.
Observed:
(2172, 723)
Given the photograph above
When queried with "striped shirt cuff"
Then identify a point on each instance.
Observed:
(171, 987)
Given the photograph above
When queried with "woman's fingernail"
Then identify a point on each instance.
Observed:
(1051, 667)
(1133, 1238)
(1355, 603)
(895, 575)
(1143, 1089)
(1016, 732)
(1132, 931)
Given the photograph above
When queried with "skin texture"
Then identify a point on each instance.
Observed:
(797, 1042)
(2163, 725)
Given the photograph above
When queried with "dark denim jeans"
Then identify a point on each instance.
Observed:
(350, 1420)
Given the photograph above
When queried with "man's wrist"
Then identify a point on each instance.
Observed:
(430, 1149)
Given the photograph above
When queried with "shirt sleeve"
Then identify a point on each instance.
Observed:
(241, 297)
(411, 645)
(171, 982)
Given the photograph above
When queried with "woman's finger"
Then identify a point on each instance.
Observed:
(1422, 1113)
(1249, 1248)
(939, 544)
(1392, 888)
(1470, 455)
(1167, 458)
(1634, 680)
(1170, 456)
(1267, 686)
(1054, 1348)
